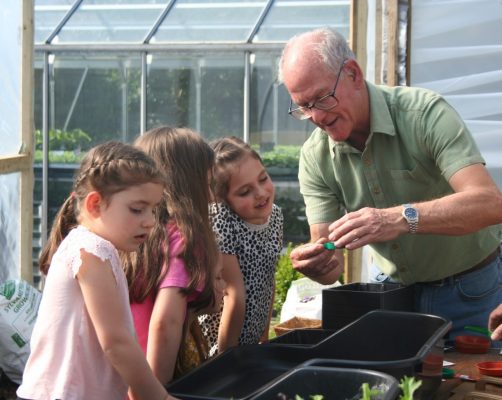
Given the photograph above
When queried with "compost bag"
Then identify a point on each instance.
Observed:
(19, 303)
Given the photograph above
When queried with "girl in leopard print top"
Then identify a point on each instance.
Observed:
(249, 230)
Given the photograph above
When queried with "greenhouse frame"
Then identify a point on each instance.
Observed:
(95, 70)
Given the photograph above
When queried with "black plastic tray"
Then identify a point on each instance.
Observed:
(392, 342)
(303, 337)
(238, 373)
(332, 383)
(397, 343)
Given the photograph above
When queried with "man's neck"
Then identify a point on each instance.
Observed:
(358, 139)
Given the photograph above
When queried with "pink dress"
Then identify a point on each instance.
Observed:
(176, 276)
(66, 360)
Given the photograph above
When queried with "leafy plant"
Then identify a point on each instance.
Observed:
(282, 156)
(408, 387)
(284, 275)
(64, 157)
(368, 393)
(73, 140)
(64, 146)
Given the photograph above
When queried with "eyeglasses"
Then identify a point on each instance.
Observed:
(323, 103)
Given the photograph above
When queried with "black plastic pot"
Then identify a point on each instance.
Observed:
(343, 304)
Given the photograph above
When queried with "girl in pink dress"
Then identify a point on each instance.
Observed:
(176, 276)
(83, 344)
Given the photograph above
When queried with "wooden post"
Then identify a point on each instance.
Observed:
(391, 17)
(26, 112)
(358, 31)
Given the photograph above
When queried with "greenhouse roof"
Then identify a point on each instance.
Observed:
(160, 22)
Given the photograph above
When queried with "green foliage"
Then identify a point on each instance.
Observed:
(285, 156)
(64, 157)
(284, 275)
(369, 393)
(64, 146)
(74, 140)
(408, 387)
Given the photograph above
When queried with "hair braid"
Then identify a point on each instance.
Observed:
(108, 169)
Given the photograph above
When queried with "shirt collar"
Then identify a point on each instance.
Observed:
(380, 120)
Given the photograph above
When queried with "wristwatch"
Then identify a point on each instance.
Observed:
(410, 214)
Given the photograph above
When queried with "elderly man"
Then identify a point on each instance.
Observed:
(395, 168)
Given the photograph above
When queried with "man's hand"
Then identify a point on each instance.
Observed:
(367, 225)
(495, 323)
(319, 264)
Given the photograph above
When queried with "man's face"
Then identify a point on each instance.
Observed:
(308, 81)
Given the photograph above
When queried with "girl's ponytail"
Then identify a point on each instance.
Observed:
(65, 220)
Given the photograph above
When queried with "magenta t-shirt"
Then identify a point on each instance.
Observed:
(176, 276)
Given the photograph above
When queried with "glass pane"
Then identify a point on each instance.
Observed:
(204, 93)
(9, 226)
(209, 21)
(270, 123)
(104, 21)
(278, 137)
(289, 17)
(47, 15)
(92, 99)
(10, 79)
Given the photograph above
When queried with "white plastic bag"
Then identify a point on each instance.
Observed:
(19, 303)
(304, 299)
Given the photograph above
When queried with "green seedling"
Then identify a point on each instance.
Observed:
(408, 386)
(369, 393)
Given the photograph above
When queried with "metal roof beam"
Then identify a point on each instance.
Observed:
(259, 21)
(159, 21)
(65, 19)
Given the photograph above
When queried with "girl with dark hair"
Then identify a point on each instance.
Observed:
(83, 344)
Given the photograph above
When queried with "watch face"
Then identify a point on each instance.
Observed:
(410, 213)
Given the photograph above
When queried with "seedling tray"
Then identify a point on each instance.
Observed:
(331, 383)
(391, 342)
(302, 337)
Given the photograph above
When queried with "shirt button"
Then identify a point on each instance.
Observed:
(376, 190)
(395, 246)
(367, 161)
(402, 269)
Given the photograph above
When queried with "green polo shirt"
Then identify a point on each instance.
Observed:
(417, 142)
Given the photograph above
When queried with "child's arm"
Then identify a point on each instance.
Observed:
(165, 332)
(234, 304)
(102, 300)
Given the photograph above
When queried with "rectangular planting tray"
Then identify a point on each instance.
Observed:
(392, 342)
(303, 337)
(238, 373)
(331, 383)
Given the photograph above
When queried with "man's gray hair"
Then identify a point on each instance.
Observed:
(331, 47)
